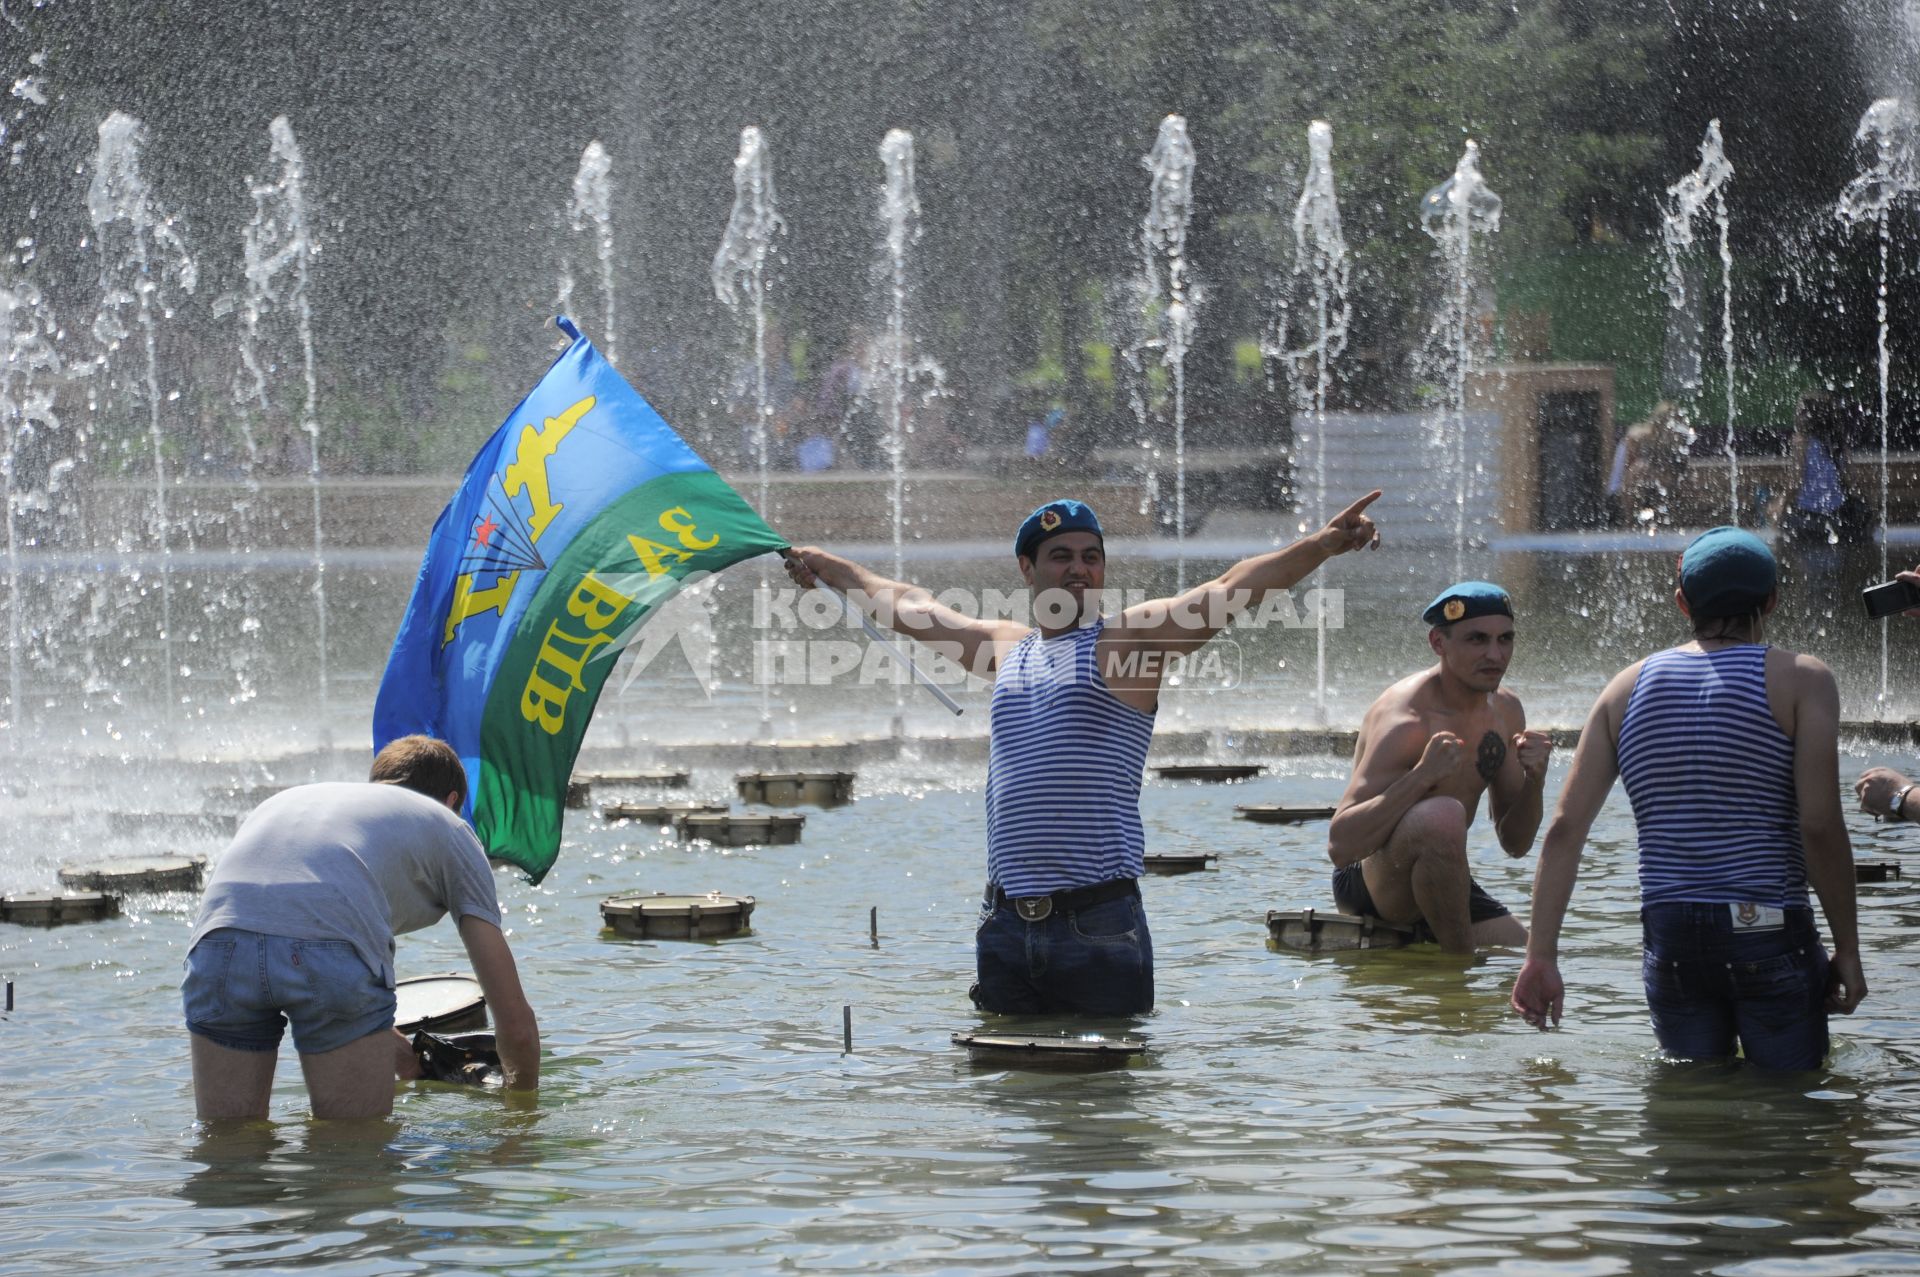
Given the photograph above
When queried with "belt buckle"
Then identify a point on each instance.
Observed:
(1033, 908)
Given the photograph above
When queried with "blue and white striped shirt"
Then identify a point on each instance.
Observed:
(1710, 775)
(1063, 782)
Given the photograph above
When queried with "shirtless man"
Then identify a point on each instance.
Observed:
(1428, 748)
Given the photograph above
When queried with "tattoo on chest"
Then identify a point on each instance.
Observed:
(1493, 754)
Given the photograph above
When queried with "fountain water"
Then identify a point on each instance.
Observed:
(1703, 192)
(1166, 304)
(898, 367)
(30, 91)
(277, 253)
(591, 207)
(1892, 175)
(141, 254)
(29, 367)
(1452, 213)
(740, 271)
(1312, 334)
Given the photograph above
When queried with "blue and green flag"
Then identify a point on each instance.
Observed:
(581, 515)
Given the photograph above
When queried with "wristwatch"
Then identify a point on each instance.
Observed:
(1897, 809)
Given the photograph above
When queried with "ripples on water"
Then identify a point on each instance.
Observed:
(1360, 1112)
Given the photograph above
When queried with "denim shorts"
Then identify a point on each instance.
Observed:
(1094, 960)
(1710, 986)
(242, 988)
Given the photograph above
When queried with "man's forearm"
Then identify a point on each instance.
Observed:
(1520, 822)
(518, 1042)
(1279, 569)
(1364, 828)
(1830, 873)
(883, 600)
(1552, 888)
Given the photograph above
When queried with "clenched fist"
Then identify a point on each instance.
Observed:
(1441, 758)
(1532, 749)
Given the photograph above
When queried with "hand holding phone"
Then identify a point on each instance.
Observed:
(1889, 597)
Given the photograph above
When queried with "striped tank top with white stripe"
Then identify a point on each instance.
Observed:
(1710, 775)
(1063, 782)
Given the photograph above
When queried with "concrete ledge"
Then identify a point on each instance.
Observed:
(1238, 744)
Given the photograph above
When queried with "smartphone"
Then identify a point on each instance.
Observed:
(1889, 597)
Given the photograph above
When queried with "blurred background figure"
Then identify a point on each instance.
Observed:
(1654, 456)
(1818, 507)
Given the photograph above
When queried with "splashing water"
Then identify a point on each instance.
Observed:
(30, 91)
(278, 249)
(740, 271)
(1452, 213)
(896, 366)
(1313, 333)
(1887, 131)
(1702, 193)
(141, 257)
(29, 370)
(591, 207)
(1166, 305)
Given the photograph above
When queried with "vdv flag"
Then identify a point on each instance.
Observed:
(580, 516)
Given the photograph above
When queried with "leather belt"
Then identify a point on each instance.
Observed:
(1036, 908)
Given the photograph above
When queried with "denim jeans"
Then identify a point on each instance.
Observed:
(1709, 985)
(241, 989)
(1096, 960)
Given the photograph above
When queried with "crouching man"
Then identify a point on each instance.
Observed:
(298, 926)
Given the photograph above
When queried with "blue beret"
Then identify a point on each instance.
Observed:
(1052, 518)
(1467, 600)
(1727, 571)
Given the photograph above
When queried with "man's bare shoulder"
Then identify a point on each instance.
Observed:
(1393, 728)
(1512, 713)
(1807, 681)
(1401, 699)
(1802, 666)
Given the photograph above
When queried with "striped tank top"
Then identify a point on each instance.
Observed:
(1063, 779)
(1710, 775)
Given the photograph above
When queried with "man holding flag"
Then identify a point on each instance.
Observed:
(1062, 927)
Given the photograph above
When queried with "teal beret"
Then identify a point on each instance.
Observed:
(1052, 519)
(1467, 600)
(1727, 571)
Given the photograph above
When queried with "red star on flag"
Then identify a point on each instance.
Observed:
(484, 533)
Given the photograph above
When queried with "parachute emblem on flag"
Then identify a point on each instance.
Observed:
(502, 541)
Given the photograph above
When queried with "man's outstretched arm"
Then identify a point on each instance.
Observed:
(909, 609)
(1184, 622)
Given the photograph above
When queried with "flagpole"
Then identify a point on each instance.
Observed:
(898, 652)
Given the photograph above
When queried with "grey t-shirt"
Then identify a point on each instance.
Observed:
(345, 861)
